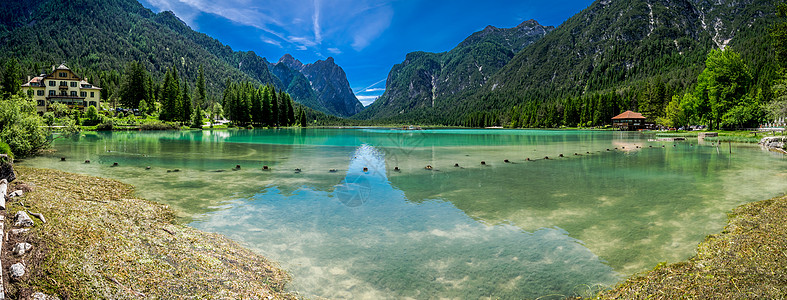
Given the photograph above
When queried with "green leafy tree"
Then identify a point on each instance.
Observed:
(21, 127)
(673, 114)
(91, 116)
(723, 83)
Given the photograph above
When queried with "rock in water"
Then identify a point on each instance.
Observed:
(7, 168)
(21, 248)
(23, 220)
(17, 270)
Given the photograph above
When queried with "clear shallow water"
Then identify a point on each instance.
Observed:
(563, 226)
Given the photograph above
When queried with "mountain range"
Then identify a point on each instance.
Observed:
(98, 37)
(611, 46)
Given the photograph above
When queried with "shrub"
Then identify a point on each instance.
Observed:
(5, 149)
(105, 126)
(21, 127)
(158, 126)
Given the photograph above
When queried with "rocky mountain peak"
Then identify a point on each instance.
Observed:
(291, 62)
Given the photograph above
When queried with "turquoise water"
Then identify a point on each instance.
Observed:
(553, 227)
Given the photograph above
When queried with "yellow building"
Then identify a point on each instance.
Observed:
(62, 86)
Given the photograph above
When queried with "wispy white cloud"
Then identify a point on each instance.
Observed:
(285, 22)
(316, 22)
(374, 90)
(270, 41)
(366, 100)
(361, 90)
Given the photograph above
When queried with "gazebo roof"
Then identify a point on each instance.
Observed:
(629, 115)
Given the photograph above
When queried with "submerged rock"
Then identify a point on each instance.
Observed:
(17, 270)
(23, 220)
(21, 248)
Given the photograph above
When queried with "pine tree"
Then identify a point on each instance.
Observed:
(282, 109)
(256, 106)
(196, 117)
(169, 97)
(134, 86)
(290, 111)
(266, 106)
(274, 108)
(12, 78)
(185, 104)
(303, 121)
(201, 97)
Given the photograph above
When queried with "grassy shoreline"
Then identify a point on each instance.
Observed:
(747, 260)
(101, 242)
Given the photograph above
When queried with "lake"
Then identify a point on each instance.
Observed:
(365, 218)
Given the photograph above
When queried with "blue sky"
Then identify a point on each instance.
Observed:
(365, 37)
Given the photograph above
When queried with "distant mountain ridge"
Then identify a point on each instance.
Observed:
(330, 85)
(424, 79)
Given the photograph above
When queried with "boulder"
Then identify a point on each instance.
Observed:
(23, 220)
(7, 168)
(42, 296)
(19, 231)
(3, 190)
(21, 248)
(773, 141)
(17, 270)
(23, 187)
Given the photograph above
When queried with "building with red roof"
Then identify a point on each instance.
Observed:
(630, 120)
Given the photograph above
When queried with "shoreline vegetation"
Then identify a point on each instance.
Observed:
(747, 260)
(101, 242)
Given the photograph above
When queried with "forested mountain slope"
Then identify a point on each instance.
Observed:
(97, 38)
(425, 79)
(625, 51)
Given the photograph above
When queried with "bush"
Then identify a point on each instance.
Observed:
(106, 126)
(158, 126)
(92, 117)
(21, 127)
(5, 149)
